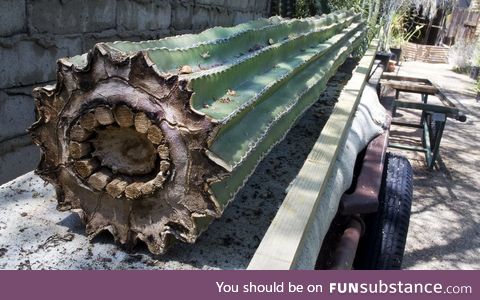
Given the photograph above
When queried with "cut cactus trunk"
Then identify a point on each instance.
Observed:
(151, 140)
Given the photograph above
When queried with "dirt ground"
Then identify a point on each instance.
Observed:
(444, 228)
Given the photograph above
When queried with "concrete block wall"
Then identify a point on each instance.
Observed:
(35, 33)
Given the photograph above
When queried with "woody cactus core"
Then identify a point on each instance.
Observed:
(151, 140)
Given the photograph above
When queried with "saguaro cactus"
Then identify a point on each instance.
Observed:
(151, 140)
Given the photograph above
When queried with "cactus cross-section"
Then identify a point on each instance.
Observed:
(151, 140)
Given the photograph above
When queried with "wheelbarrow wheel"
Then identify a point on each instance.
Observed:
(383, 245)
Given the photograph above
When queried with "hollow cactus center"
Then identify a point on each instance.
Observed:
(119, 151)
(124, 151)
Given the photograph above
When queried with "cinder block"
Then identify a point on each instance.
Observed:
(201, 17)
(143, 15)
(17, 113)
(182, 16)
(236, 4)
(259, 6)
(32, 60)
(26, 62)
(210, 2)
(100, 15)
(17, 157)
(12, 17)
(90, 39)
(241, 17)
(57, 17)
(68, 46)
(221, 17)
(258, 15)
(146, 35)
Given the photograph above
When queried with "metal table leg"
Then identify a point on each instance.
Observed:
(439, 120)
(426, 143)
(424, 100)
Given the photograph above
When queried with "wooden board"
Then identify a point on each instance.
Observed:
(281, 245)
(406, 86)
(409, 84)
(425, 53)
(406, 78)
(422, 86)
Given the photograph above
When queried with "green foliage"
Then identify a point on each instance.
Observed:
(304, 8)
(398, 34)
(308, 8)
(284, 8)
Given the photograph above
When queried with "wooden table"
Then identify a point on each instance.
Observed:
(433, 118)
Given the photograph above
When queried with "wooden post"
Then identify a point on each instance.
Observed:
(280, 247)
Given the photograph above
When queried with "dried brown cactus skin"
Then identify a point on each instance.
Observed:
(130, 144)
(106, 85)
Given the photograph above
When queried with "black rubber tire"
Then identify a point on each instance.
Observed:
(383, 245)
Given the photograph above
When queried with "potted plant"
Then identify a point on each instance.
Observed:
(398, 33)
(395, 35)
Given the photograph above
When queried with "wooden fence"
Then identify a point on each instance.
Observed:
(425, 53)
(463, 25)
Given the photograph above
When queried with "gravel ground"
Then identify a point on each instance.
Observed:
(444, 228)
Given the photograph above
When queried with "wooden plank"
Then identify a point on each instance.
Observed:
(451, 112)
(409, 84)
(410, 87)
(458, 16)
(280, 247)
(426, 53)
(445, 100)
(406, 78)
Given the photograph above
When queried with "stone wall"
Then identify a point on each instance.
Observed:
(35, 33)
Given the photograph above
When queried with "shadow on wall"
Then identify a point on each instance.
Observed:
(35, 33)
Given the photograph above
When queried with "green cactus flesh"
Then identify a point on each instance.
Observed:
(206, 107)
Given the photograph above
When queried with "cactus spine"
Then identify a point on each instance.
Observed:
(151, 140)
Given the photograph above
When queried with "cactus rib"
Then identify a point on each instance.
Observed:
(274, 104)
(269, 59)
(253, 151)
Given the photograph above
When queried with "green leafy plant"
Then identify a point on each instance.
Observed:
(346, 4)
(398, 33)
(303, 8)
